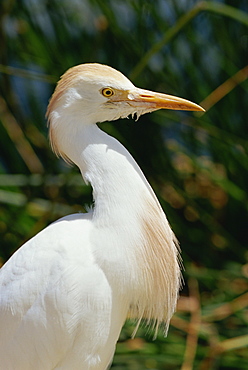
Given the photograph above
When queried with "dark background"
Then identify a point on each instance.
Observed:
(196, 163)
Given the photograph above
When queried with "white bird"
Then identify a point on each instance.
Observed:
(66, 293)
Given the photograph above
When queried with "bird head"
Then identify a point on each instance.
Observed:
(92, 93)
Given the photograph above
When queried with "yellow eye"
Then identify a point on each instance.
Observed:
(107, 92)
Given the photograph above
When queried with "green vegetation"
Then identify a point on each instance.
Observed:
(196, 163)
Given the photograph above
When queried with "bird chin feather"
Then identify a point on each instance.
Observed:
(135, 113)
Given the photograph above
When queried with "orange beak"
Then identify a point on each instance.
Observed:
(153, 100)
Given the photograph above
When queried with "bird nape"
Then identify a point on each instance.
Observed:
(66, 293)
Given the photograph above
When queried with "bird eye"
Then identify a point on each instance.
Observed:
(107, 92)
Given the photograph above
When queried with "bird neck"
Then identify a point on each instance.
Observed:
(132, 238)
(117, 181)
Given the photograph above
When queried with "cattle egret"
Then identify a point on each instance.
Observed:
(67, 292)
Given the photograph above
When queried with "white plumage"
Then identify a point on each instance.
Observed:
(66, 293)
